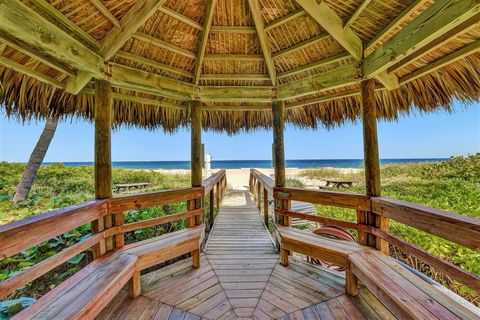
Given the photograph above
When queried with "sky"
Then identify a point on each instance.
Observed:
(434, 135)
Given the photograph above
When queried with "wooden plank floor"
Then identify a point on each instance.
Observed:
(240, 278)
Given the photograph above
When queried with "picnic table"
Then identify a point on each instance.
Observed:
(338, 184)
(131, 186)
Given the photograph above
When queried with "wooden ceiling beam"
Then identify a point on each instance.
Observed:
(180, 17)
(164, 45)
(22, 68)
(442, 62)
(289, 17)
(300, 46)
(345, 36)
(37, 55)
(152, 63)
(202, 46)
(262, 36)
(332, 79)
(59, 17)
(235, 77)
(233, 29)
(332, 23)
(465, 26)
(106, 13)
(431, 24)
(395, 23)
(233, 57)
(357, 13)
(337, 58)
(140, 12)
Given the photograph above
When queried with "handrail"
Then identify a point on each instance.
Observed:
(211, 182)
(267, 182)
(450, 226)
(259, 182)
(20, 235)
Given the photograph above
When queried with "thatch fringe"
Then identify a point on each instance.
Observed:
(26, 98)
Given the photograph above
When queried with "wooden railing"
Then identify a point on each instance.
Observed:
(450, 226)
(215, 187)
(20, 235)
(260, 183)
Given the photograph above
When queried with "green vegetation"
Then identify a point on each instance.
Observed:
(449, 185)
(59, 186)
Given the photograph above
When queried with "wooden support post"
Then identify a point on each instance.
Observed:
(351, 283)
(259, 197)
(217, 195)
(265, 206)
(103, 161)
(372, 160)
(211, 212)
(278, 115)
(196, 152)
(134, 286)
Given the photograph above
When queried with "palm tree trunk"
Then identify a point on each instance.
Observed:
(36, 159)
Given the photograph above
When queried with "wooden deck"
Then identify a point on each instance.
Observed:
(240, 278)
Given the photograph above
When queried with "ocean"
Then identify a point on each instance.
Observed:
(238, 164)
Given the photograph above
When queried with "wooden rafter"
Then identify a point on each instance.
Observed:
(300, 46)
(116, 38)
(233, 57)
(63, 20)
(405, 14)
(152, 63)
(464, 27)
(202, 46)
(289, 17)
(332, 79)
(22, 68)
(181, 17)
(314, 65)
(433, 23)
(233, 29)
(357, 13)
(164, 45)
(106, 13)
(262, 36)
(235, 77)
(442, 62)
(329, 20)
(345, 36)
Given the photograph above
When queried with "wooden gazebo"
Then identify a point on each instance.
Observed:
(233, 65)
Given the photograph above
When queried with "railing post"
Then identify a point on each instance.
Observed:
(265, 206)
(259, 197)
(211, 210)
(372, 160)
(103, 164)
(278, 115)
(196, 162)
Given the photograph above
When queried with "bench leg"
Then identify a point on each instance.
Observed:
(284, 257)
(196, 258)
(351, 283)
(134, 286)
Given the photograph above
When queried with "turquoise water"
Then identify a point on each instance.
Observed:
(237, 164)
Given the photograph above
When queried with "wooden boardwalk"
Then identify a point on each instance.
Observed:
(240, 278)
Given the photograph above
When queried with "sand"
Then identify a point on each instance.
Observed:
(237, 179)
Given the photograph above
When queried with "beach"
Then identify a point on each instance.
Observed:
(237, 179)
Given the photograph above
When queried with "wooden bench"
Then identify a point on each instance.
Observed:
(405, 294)
(88, 291)
(331, 250)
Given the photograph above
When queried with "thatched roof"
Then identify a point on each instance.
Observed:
(236, 56)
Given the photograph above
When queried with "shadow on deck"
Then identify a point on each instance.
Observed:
(240, 277)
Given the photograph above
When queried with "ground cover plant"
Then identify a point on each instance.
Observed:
(452, 185)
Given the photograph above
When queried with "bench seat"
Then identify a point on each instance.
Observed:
(405, 294)
(331, 250)
(87, 292)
